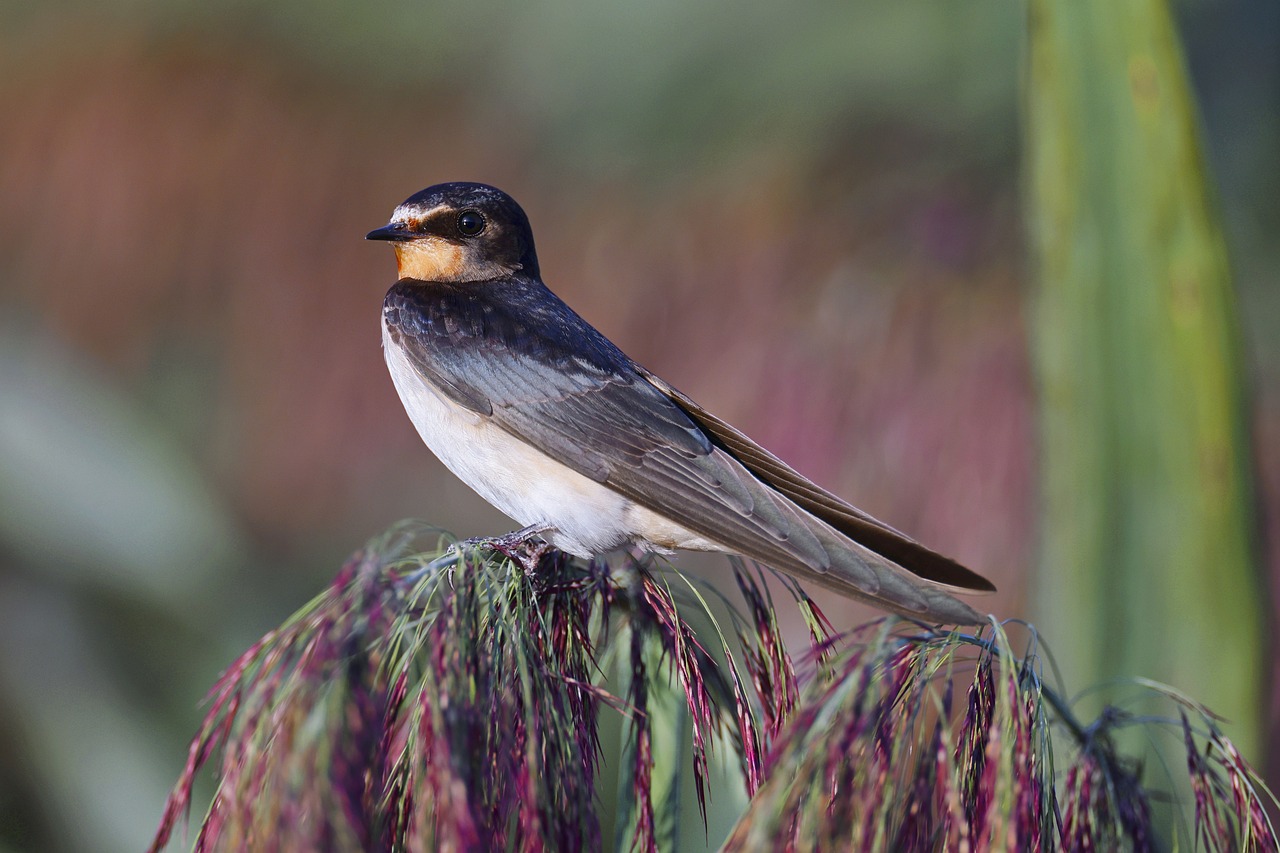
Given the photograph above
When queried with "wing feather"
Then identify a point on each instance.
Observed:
(844, 517)
(511, 351)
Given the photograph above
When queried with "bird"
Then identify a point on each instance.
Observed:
(550, 422)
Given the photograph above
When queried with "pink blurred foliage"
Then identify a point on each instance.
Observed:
(204, 199)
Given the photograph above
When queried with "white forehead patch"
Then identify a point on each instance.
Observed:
(406, 212)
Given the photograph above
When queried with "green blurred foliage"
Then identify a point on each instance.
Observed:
(1148, 559)
(639, 89)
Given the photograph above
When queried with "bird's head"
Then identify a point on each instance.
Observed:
(460, 232)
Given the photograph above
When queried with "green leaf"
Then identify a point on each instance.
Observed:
(1148, 507)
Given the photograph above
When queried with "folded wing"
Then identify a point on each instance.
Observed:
(552, 380)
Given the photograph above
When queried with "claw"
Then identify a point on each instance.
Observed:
(523, 547)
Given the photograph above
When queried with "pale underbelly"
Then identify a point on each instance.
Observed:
(586, 517)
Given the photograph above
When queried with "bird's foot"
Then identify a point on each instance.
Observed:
(524, 547)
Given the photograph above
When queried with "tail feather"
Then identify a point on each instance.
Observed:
(813, 550)
(877, 543)
(897, 590)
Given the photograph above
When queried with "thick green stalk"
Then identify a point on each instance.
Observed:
(1147, 565)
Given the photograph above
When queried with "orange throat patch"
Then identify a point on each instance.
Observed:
(432, 260)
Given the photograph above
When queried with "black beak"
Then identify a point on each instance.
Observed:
(391, 231)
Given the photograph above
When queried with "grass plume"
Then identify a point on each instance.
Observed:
(452, 701)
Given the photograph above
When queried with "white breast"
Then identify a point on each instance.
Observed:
(588, 517)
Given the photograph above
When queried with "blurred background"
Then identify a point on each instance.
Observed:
(809, 219)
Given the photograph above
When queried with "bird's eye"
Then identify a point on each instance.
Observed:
(470, 223)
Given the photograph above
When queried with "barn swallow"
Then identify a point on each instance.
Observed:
(551, 423)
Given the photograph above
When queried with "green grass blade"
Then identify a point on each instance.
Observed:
(1147, 563)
